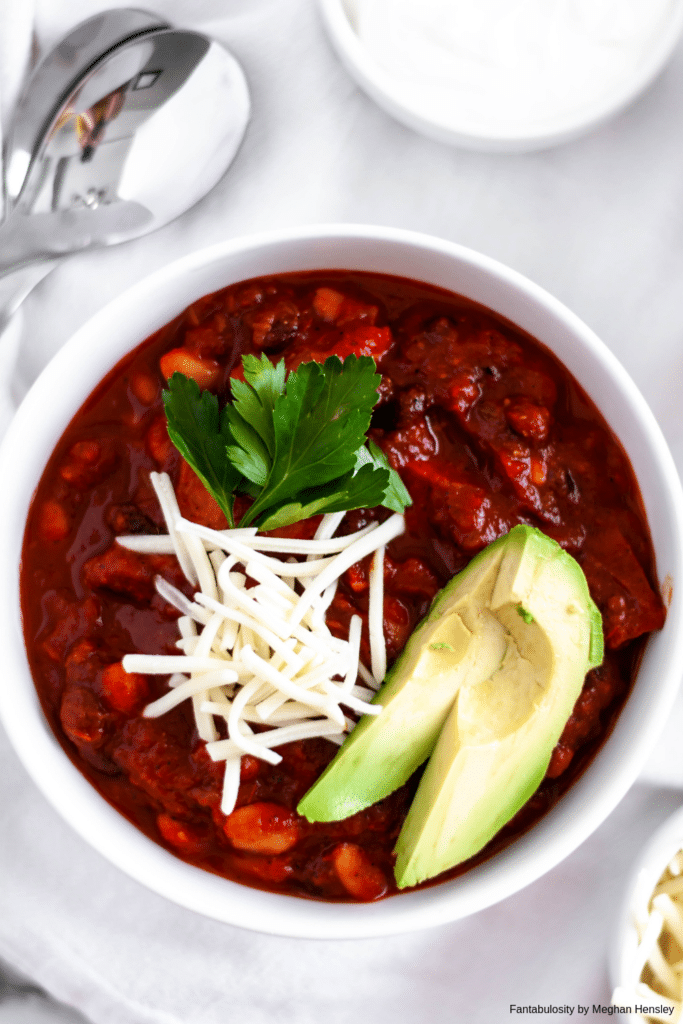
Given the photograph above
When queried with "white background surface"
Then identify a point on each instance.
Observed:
(599, 223)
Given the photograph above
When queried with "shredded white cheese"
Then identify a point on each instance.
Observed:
(378, 650)
(654, 975)
(262, 653)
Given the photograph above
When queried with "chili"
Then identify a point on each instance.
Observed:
(486, 428)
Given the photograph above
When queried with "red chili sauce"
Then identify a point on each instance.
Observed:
(486, 428)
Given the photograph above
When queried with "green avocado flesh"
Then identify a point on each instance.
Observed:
(483, 689)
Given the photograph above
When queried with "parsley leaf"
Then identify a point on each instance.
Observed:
(251, 417)
(396, 496)
(254, 398)
(319, 424)
(295, 445)
(200, 433)
(362, 489)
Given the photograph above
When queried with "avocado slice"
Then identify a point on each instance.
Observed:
(496, 743)
(443, 652)
(484, 685)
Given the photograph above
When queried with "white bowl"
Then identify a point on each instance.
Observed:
(465, 131)
(665, 842)
(97, 346)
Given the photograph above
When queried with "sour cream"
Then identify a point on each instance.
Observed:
(509, 66)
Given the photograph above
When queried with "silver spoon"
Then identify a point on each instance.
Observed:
(123, 127)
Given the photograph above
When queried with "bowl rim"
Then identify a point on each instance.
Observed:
(379, 86)
(547, 843)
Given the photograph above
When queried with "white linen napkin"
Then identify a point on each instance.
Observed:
(598, 223)
(99, 941)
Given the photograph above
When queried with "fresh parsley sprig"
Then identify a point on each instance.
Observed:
(296, 445)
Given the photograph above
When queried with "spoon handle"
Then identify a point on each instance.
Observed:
(30, 245)
(35, 237)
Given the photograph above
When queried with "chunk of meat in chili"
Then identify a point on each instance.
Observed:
(67, 621)
(85, 719)
(602, 686)
(130, 574)
(275, 324)
(457, 503)
(129, 518)
(628, 604)
(195, 502)
(162, 759)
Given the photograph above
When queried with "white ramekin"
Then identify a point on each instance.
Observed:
(338, 17)
(664, 843)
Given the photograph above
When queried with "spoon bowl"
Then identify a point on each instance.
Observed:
(143, 130)
(56, 77)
